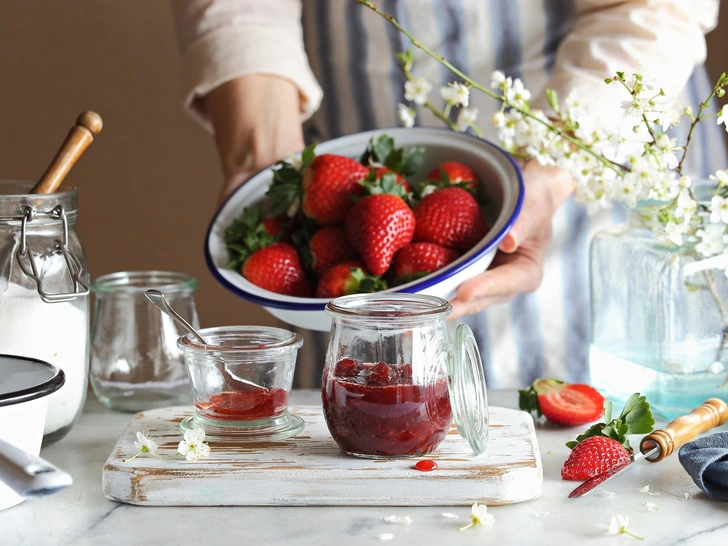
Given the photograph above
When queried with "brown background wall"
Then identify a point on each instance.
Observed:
(149, 183)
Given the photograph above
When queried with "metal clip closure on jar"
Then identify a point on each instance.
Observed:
(27, 264)
(393, 382)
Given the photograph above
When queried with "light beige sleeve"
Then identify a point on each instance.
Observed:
(221, 40)
(665, 36)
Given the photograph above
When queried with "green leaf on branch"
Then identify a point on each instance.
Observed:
(553, 99)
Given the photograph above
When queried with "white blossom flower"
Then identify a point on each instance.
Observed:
(688, 111)
(517, 94)
(719, 209)
(498, 119)
(721, 177)
(479, 516)
(628, 190)
(417, 90)
(618, 526)
(456, 94)
(711, 240)
(652, 507)
(385, 536)
(427, 190)
(723, 116)
(498, 80)
(144, 444)
(193, 447)
(540, 154)
(406, 115)
(685, 181)
(466, 117)
(405, 520)
(633, 108)
(666, 145)
(686, 206)
(674, 232)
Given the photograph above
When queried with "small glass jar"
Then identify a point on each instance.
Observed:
(393, 383)
(241, 379)
(44, 296)
(659, 319)
(135, 362)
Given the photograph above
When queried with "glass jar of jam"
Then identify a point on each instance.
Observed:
(393, 383)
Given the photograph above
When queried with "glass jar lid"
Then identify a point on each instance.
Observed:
(468, 395)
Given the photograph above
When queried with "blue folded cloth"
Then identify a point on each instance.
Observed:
(706, 460)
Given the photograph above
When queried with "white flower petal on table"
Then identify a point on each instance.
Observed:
(385, 536)
(405, 520)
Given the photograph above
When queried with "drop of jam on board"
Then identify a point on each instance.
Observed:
(426, 465)
(245, 405)
(375, 409)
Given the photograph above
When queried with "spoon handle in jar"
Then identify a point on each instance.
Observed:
(88, 125)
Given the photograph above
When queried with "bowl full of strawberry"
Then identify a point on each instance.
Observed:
(403, 210)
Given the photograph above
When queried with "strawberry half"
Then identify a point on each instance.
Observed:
(277, 268)
(419, 259)
(594, 456)
(328, 186)
(380, 224)
(563, 403)
(348, 278)
(450, 217)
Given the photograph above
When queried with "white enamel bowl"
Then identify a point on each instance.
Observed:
(499, 177)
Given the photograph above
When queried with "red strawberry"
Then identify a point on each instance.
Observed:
(329, 246)
(562, 403)
(418, 259)
(347, 278)
(328, 185)
(455, 173)
(594, 456)
(450, 217)
(378, 172)
(378, 226)
(277, 268)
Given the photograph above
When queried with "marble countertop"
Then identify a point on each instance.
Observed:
(81, 515)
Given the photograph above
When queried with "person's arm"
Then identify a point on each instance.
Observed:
(246, 77)
(666, 36)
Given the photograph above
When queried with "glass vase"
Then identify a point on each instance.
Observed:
(659, 323)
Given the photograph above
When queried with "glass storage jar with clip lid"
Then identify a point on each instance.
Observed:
(393, 383)
(44, 295)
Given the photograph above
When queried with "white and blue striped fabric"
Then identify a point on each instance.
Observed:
(543, 334)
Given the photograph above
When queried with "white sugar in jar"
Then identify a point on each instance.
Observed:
(44, 297)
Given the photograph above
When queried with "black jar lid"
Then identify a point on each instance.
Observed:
(23, 379)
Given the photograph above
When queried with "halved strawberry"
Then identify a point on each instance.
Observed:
(348, 278)
(563, 403)
(277, 268)
(594, 456)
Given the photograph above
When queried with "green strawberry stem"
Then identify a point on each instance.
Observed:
(636, 418)
(382, 151)
(287, 187)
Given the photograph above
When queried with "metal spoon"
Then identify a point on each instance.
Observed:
(158, 300)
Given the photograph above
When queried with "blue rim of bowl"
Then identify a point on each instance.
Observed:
(425, 283)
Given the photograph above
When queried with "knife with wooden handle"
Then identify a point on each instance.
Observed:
(660, 443)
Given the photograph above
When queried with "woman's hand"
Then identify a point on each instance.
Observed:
(518, 264)
(257, 121)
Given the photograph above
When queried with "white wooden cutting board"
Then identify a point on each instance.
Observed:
(310, 469)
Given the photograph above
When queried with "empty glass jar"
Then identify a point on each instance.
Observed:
(135, 362)
(393, 383)
(241, 379)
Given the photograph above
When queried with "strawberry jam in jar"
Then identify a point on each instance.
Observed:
(240, 378)
(393, 383)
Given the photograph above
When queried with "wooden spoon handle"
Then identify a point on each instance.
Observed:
(712, 413)
(88, 125)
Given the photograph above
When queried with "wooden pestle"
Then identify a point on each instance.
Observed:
(712, 413)
(88, 125)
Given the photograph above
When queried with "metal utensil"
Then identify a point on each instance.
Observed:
(661, 443)
(158, 300)
(28, 475)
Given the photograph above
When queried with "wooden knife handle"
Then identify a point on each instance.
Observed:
(88, 125)
(712, 413)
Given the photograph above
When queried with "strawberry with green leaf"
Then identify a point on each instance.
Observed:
(326, 248)
(348, 278)
(251, 232)
(277, 268)
(605, 446)
(382, 152)
(286, 191)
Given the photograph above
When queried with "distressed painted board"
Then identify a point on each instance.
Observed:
(311, 470)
